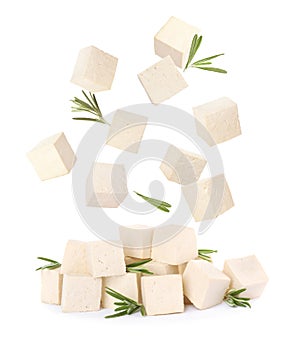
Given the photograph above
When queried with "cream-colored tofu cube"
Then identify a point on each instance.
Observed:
(162, 295)
(174, 244)
(94, 69)
(126, 285)
(52, 157)
(51, 286)
(75, 259)
(182, 166)
(106, 185)
(162, 80)
(246, 273)
(204, 285)
(208, 198)
(160, 269)
(175, 39)
(126, 131)
(105, 259)
(219, 118)
(137, 240)
(81, 293)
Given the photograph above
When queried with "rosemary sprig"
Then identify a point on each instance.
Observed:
(125, 306)
(90, 106)
(134, 267)
(203, 63)
(53, 264)
(155, 202)
(204, 254)
(233, 299)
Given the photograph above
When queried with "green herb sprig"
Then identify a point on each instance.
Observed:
(53, 264)
(125, 306)
(134, 267)
(233, 299)
(156, 202)
(204, 254)
(203, 63)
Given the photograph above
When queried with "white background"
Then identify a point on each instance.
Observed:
(39, 44)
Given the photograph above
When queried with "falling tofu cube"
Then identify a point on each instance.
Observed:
(51, 286)
(175, 39)
(246, 273)
(204, 285)
(162, 295)
(174, 244)
(208, 198)
(94, 69)
(126, 285)
(126, 131)
(137, 240)
(219, 118)
(182, 166)
(52, 157)
(81, 293)
(162, 80)
(75, 259)
(160, 269)
(106, 185)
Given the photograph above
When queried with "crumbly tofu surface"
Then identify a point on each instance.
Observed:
(248, 273)
(126, 131)
(181, 166)
(51, 286)
(162, 294)
(52, 157)
(160, 269)
(75, 259)
(204, 285)
(174, 39)
(81, 293)
(106, 185)
(219, 118)
(162, 80)
(94, 69)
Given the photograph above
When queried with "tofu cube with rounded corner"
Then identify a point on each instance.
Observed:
(126, 285)
(81, 293)
(246, 273)
(105, 259)
(162, 295)
(52, 157)
(174, 244)
(51, 286)
(137, 240)
(204, 285)
(208, 198)
(75, 259)
(182, 166)
(94, 69)
(219, 118)
(160, 269)
(162, 80)
(175, 39)
(106, 185)
(126, 131)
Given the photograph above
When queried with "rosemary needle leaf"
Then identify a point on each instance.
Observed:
(139, 263)
(53, 264)
(196, 42)
(233, 299)
(134, 267)
(212, 69)
(208, 58)
(47, 259)
(119, 314)
(155, 202)
(204, 254)
(90, 119)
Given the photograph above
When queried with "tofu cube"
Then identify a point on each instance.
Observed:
(94, 69)
(160, 269)
(208, 198)
(75, 259)
(126, 131)
(219, 118)
(126, 285)
(81, 293)
(51, 286)
(52, 157)
(162, 295)
(174, 244)
(162, 80)
(106, 185)
(175, 39)
(105, 259)
(137, 240)
(246, 273)
(181, 166)
(204, 285)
